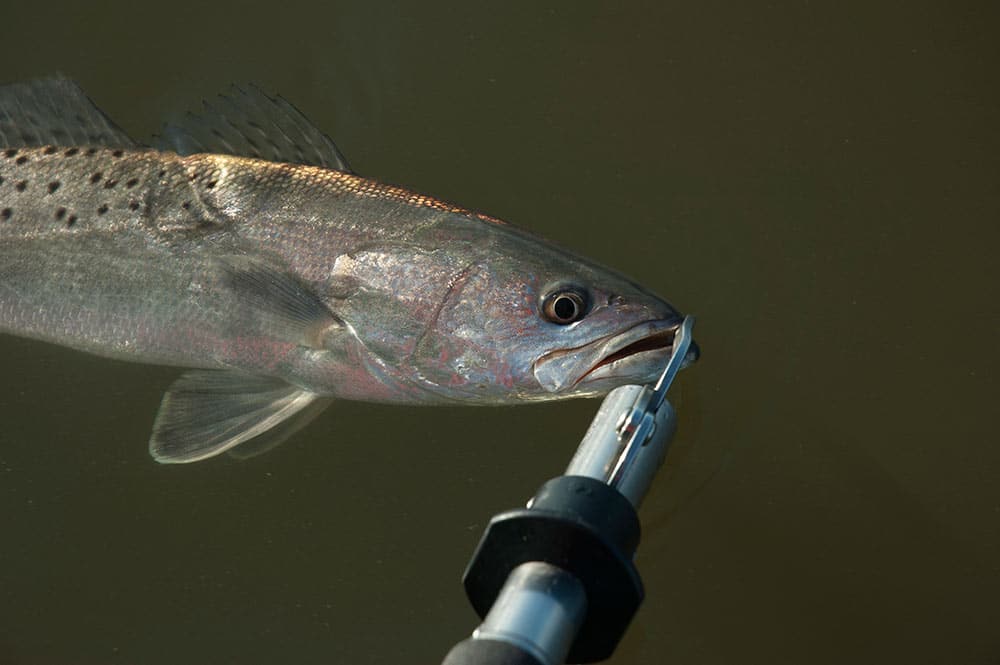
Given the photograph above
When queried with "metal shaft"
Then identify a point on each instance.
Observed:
(601, 448)
(540, 609)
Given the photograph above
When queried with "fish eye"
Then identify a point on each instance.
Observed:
(564, 306)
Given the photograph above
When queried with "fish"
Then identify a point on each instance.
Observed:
(240, 246)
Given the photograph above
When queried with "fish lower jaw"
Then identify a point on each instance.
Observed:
(658, 342)
(636, 368)
(633, 356)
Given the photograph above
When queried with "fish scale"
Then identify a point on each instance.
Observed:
(244, 250)
(53, 190)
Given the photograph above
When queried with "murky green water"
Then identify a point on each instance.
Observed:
(818, 185)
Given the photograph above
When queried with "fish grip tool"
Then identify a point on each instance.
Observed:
(555, 582)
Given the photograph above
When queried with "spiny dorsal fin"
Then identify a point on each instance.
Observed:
(54, 111)
(249, 123)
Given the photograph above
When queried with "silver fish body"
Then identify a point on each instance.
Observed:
(283, 285)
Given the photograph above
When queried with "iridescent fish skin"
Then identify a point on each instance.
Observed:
(283, 285)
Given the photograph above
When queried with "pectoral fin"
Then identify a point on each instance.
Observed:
(207, 412)
(285, 307)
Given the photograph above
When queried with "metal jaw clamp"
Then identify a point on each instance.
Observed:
(556, 580)
(637, 426)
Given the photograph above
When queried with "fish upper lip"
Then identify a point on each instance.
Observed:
(565, 368)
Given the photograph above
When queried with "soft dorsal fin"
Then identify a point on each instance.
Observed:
(249, 123)
(54, 111)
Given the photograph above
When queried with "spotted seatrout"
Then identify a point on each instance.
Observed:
(245, 249)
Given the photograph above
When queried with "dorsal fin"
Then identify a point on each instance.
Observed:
(249, 123)
(54, 111)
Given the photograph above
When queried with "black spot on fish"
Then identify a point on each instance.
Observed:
(49, 150)
(109, 183)
(210, 184)
(186, 205)
(117, 153)
(163, 172)
(21, 160)
(60, 213)
(133, 205)
(6, 213)
(1, 179)
(71, 152)
(71, 221)
(96, 177)
(10, 152)
(53, 186)
(21, 185)
(91, 152)
(132, 182)
(103, 209)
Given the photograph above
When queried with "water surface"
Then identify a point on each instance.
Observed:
(817, 185)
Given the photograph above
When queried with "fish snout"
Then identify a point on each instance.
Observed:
(692, 355)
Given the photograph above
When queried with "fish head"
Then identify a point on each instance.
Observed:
(524, 320)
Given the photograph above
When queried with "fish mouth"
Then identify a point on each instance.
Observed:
(636, 355)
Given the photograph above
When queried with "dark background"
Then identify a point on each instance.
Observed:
(818, 185)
